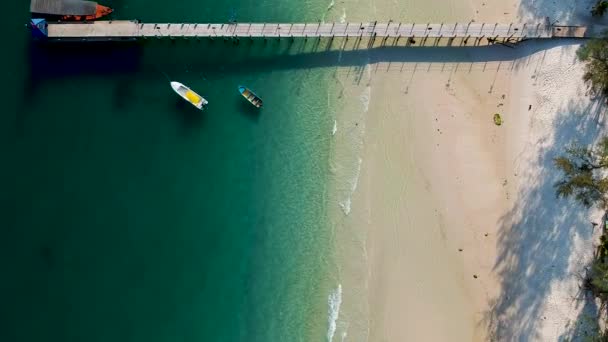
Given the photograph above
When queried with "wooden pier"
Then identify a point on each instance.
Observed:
(124, 30)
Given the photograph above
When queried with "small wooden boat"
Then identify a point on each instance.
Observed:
(189, 95)
(251, 96)
(69, 10)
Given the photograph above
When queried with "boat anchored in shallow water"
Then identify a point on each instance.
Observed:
(251, 96)
(189, 95)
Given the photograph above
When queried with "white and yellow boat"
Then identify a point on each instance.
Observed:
(189, 95)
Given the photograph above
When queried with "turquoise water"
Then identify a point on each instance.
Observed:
(131, 216)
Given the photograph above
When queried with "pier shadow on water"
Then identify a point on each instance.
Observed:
(301, 54)
(56, 60)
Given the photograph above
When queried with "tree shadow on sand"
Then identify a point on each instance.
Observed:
(537, 236)
(566, 13)
(585, 325)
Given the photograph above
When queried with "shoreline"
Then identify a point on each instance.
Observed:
(429, 230)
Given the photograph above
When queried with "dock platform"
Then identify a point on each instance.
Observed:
(100, 30)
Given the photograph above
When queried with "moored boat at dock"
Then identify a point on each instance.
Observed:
(251, 96)
(69, 10)
(189, 95)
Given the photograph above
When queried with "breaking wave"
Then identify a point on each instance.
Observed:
(343, 16)
(334, 300)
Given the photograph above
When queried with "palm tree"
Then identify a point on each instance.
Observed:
(599, 8)
(595, 53)
(584, 178)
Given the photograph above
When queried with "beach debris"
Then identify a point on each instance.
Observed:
(475, 276)
(529, 107)
(497, 119)
(486, 234)
(460, 249)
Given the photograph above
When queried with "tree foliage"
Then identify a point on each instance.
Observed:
(599, 278)
(595, 53)
(584, 175)
(599, 9)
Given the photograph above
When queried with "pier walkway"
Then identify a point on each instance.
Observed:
(109, 30)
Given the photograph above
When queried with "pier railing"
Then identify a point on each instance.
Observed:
(137, 30)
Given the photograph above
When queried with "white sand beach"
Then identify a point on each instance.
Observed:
(447, 225)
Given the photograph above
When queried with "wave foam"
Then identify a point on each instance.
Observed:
(345, 205)
(334, 300)
(365, 97)
(355, 180)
